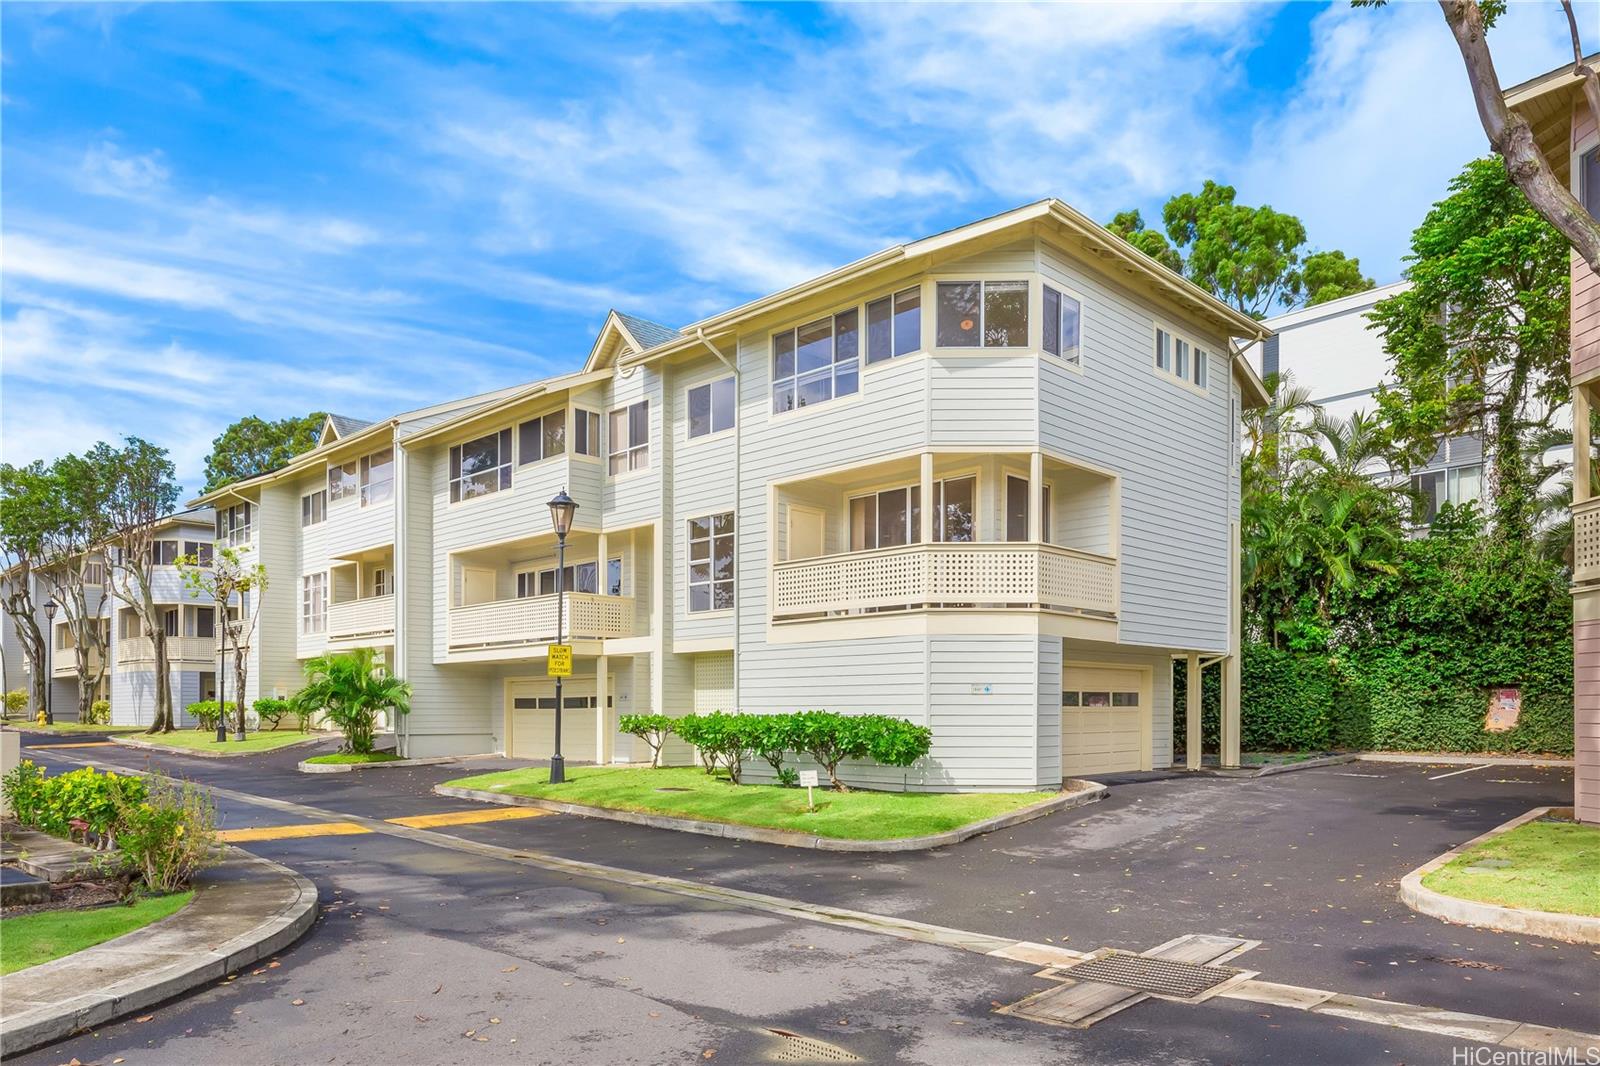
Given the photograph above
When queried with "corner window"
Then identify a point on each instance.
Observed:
(630, 438)
(711, 563)
(542, 437)
(313, 508)
(377, 477)
(1063, 316)
(198, 550)
(313, 603)
(711, 408)
(982, 314)
(480, 466)
(585, 432)
(816, 362)
(343, 481)
(233, 524)
(894, 325)
(163, 552)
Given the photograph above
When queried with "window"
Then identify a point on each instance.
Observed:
(711, 563)
(1163, 350)
(380, 582)
(169, 621)
(1018, 500)
(1202, 363)
(585, 433)
(377, 477)
(198, 550)
(886, 519)
(579, 577)
(894, 325)
(205, 622)
(314, 508)
(163, 552)
(1124, 699)
(233, 524)
(314, 603)
(987, 314)
(711, 408)
(1181, 358)
(1062, 322)
(480, 466)
(542, 437)
(630, 438)
(816, 362)
(1465, 484)
(95, 573)
(1430, 487)
(129, 626)
(614, 577)
(344, 481)
(1589, 181)
(954, 510)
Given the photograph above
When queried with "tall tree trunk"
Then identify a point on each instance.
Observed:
(241, 671)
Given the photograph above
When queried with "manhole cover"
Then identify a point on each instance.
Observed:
(1142, 973)
(797, 1048)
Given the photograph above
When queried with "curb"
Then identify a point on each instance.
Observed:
(1087, 792)
(1461, 760)
(198, 754)
(161, 981)
(343, 768)
(1573, 928)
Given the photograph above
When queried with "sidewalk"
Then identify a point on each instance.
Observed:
(244, 909)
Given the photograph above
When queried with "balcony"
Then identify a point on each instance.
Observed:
(64, 662)
(532, 621)
(942, 576)
(1586, 541)
(366, 620)
(200, 651)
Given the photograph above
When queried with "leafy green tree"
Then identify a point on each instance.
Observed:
(254, 446)
(27, 516)
(352, 688)
(1251, 257)
(1479, 342)
(237, 589)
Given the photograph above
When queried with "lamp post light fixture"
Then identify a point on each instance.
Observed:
(50, 608)
(562, 508)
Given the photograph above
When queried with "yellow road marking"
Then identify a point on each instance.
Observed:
(494, 814)
(78, 744)
(287, 832)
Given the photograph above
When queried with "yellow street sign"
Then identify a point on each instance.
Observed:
(559, 663)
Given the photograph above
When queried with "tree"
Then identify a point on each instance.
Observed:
(1479, 342)
(352, 688)
(228, 580)
(75, 568)
(254, 446)
(25, 506)
(1250, 257)
(141, 490)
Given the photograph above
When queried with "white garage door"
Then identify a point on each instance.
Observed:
(533, 720)
(1104, 714)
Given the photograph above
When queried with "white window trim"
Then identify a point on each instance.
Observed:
(323, 492)
(349, 498)
(487, 495)
(688, 561)
(1083, 313)
(566, 439)
(574, 412)
(860, 309)
(683, 399)
(1194, 347)
(649, 443)
(363, 470)
(305, 604)
(922, 348)
(930, 316)
(979, 511)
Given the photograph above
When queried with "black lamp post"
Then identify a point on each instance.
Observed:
(50, 607)
(562, 509)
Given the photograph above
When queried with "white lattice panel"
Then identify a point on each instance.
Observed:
(1586, 541)
(533, 620)
(358, 619)
(713, 683)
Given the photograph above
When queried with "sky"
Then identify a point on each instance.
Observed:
(214, 211)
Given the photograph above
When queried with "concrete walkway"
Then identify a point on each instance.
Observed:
(244, 909)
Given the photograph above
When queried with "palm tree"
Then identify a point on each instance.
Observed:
(352, 688)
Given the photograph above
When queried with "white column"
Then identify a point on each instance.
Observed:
(1581, 461)
(603, 730)
(1230, 665)
(926, 532)
(1191, 723)
(1036, 497)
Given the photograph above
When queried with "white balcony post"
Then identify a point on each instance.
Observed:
(600, 554)
(1581, 461)
(925, 532)
(1036, 497)
(602, 719)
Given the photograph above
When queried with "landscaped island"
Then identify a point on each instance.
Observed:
(689, 792)
(1541, 866)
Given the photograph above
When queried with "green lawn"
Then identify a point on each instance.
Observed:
(30, 939)
(847, 815)
(1542, 866)
(71, 727)
(349, 758)
(196, 740)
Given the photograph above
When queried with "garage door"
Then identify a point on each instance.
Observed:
(1104, 713)
(533, 720)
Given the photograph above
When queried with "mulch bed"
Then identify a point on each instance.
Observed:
(74, 896)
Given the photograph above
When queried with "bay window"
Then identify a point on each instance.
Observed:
(630, 438)
(344, 481)
(377, 477)
(542, 437)
(480, 467)
(891, 518)
(982, 314)
(585, 433)
(816, 362)
(894, 325)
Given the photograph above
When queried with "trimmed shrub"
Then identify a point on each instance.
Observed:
(718, 737)
(270, 712)
(16, 701)
(653, 729)
(53, 804)
(206, 713)
(99, 713)
(771, 736)
(830, 739)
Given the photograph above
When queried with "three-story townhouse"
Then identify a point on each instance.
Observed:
(987, 481)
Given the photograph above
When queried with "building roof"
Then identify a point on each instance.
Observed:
(1356, 301)
(343, 425)
(646, 332)
(1546, 102)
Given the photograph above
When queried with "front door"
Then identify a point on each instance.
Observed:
(531, 719)
(1105, 719)
(805, 532)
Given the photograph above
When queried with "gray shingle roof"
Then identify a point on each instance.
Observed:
(646, 332)
(346, 426)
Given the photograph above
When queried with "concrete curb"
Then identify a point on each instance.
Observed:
(199, 945)
(1087, 792)
(1574, 928)
(1306, 764)
(165, 750)
(1461, 760)
(342, 768)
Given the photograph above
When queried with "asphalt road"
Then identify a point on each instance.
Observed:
(419, 945)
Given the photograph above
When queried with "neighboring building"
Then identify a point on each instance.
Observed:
(1568, 134)
(986, 481)
(1331, 350)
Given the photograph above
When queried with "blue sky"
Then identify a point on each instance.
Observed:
(213, 211)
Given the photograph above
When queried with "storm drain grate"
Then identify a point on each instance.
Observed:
(1142, 973)
(797, 1048)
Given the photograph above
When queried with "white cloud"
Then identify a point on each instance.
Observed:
(109, 169)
